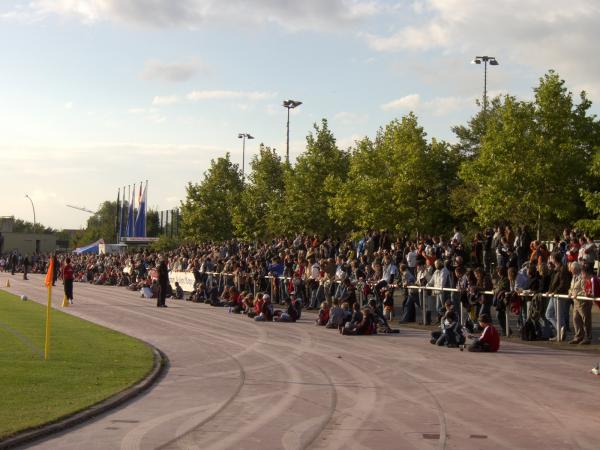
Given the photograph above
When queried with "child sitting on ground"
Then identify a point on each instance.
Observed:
(266, 312)
(336, 315)
(323, 314)
(363, 328)
(450, 333)
(489, 341)
(257, 306)
(289, 315)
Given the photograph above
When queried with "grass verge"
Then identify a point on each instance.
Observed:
(87, 364)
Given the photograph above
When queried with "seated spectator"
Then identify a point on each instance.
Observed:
(266, 313)
(450, 334)
(323, 317)
(357, 315)
(247, 303)
(365, 327)
(489, 341)
(289, 315)
(178, 291)
(257, 306)
(336, 315)
(379, 319)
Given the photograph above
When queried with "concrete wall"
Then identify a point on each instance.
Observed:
(25, 243)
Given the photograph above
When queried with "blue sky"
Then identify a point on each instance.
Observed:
(96, 94)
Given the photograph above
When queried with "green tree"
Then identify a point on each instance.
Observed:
(399, 181)
(206, 213)
(592, 200)
(152, 223)
(101, 225)
(22, 226)
(313, 181)
(532, 161)
(257, 213)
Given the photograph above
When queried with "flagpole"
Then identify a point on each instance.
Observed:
(145, 212)
(117, 221)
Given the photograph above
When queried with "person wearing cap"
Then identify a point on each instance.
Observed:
(489, 341)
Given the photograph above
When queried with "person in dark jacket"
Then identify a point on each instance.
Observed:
(163, 282)
(560, 281)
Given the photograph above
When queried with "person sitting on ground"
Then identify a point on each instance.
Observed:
(336, 315)
(489, 341)
(247, 303)
(297, 303)
(235, 300)
(363, 328)
(213, 296)
(356, 316)
(379, 318)
(289, 315)
(347, 313)
(256, 306)
(450, 334)
(266, 311)
(323, 317)
(178, 291)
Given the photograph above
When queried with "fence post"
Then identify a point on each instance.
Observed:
(506, 322)
(558, 322)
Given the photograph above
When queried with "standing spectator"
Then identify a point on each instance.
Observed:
(582, 313)
(163, 281)
(26, 265)
(67, 276)
(560, 280)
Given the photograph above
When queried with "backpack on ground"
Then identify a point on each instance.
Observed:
(529, 331)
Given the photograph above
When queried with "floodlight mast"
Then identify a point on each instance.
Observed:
(289, 104)
(243, 137)
(493, 62)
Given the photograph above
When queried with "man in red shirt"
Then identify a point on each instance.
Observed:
(489, 341)
(67, 276)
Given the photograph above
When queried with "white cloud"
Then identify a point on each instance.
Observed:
(172, 72)
(69, 105)
(411, 101)
(349, 118)
(438, 106)
(161, 100)
(287, 14)
(539, 34)
(228, 95)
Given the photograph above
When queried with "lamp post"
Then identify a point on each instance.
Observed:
(289, 104)
(32, 207)
(243, 137)
(493, 62)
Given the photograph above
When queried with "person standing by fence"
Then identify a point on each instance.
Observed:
(163, 281)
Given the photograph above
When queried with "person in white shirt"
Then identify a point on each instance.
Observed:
(440, 279)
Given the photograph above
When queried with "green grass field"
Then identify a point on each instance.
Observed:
(87, 364)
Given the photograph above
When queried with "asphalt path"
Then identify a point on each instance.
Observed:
(239, 384)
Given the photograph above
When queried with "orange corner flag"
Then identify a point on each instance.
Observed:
(50, 274)
(48, 282)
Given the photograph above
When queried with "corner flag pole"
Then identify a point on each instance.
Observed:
(48, 282)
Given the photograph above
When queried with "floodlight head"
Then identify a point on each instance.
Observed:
(290, 104)
(493, 62)
(249, 137)
(476, 60)
(240, 135)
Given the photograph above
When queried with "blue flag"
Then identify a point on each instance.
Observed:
(130, 215)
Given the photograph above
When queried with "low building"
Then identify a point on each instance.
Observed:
(24, 243)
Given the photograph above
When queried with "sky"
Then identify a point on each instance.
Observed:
(98, 94)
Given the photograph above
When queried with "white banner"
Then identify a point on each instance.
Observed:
(185, 279)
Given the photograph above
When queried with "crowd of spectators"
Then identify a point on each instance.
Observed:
(340, 277)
